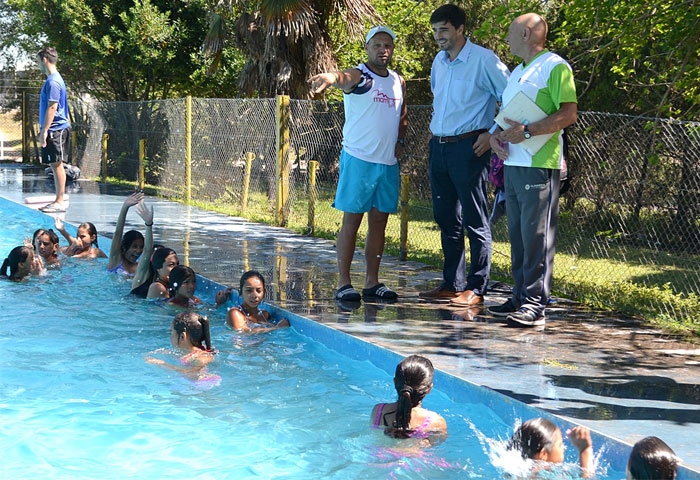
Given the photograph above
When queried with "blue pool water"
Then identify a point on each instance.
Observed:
(77, 399)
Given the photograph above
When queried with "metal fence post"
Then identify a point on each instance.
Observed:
(188, 149)
(249, 157)
(74, 147)
(283, 113)
(105, 138)
(313, 166)
(403, 247)
(142, 163)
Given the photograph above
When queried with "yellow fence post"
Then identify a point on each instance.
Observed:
(74, 147)
(403, 248)
(142, 163)
(105, 138)
(26, 134)
(249, 157)
(283, 113)
(313, 166)
(188, 149)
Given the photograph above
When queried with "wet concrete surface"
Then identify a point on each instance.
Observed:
(602, 370)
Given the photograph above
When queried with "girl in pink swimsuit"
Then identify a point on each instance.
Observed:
(406, 418)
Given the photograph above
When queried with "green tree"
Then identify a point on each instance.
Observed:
(284, 41)
(123, 50)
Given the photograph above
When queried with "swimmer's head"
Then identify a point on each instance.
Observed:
(180, 276)
(18, 263)
(539, 439)
(193, 327)
(650, 459)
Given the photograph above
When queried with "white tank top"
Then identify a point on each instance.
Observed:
(372, 114)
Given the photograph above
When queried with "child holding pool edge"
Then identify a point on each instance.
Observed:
(248, 316)
(406, 418)
(540, 439)
(85, 245)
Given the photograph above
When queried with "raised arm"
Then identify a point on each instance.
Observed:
(143, 269)
(581, 438)
(58, 223)
(115, 251)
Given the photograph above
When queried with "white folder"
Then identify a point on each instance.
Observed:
(525, 111)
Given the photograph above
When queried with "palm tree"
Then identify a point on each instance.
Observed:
(284, 41)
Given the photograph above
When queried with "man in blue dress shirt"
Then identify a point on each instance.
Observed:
(467, 82)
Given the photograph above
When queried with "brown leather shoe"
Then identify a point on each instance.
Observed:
(438, 293)
(467, 299)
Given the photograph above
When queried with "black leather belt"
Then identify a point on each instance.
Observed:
(460, 137)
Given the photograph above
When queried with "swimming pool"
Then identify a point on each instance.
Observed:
(78, 400)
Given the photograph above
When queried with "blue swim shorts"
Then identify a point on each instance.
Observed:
(363, 185)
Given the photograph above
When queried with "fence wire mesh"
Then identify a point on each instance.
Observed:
(629, 225)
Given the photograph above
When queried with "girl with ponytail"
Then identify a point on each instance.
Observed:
(406, 418)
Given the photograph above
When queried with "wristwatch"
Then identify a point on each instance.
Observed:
(526, 133)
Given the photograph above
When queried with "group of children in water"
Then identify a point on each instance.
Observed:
(156, 274)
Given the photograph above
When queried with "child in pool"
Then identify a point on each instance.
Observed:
(20, 263)
(249, 317)
(126, 250)
(183, 284)
(652, 459)
(406, 418)
(157, 281)
(84, 245)
(189, 332)
(45, 244)
(540, 439)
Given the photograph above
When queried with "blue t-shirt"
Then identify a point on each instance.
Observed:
(54, 90)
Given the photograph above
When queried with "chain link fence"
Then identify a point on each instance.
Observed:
(629, 233)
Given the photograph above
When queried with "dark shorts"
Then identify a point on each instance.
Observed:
(57, 147)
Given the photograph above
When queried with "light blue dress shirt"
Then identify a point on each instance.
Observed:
(465, 91)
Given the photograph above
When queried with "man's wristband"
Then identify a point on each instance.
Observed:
(148, 224)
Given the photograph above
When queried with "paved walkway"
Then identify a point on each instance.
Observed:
(607, 372)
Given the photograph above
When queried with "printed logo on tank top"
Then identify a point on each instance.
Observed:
(381, 97)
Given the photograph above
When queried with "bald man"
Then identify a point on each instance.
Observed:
(532, 179)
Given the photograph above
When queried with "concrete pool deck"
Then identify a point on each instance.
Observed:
(604, 371)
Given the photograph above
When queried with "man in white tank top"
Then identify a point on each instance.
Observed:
(373, 141)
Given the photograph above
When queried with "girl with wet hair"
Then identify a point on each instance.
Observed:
(406, 418)
(248, 316)
(20, 263)
(189, 332)
(45, 244)
(126, 250)
(85, 244)
(652, 459)
(156, 282)
(540, 439)
(183, 283)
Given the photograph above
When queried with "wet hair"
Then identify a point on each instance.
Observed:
(90, 227)
(160, 253)
(652, 459)
(451, 14)
(533, 436)
(413, 379)
(53, 236)
(251, 274)
(196, 326)
(17, 255)
(49, 53)
(129, 238)
(178, 276)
